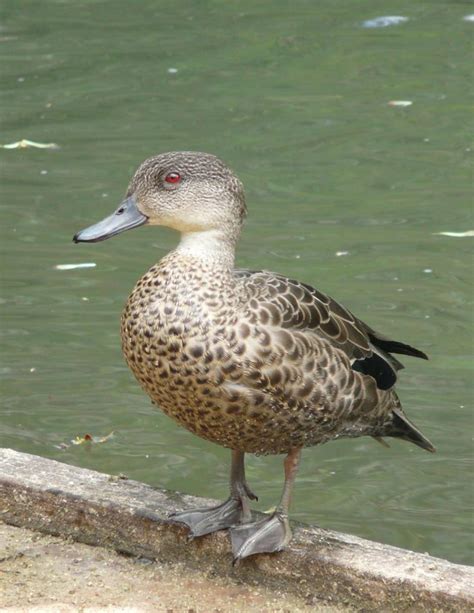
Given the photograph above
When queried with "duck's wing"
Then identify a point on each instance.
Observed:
(274, 299)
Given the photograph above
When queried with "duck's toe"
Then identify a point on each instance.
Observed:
(206, 521)
(265, 536)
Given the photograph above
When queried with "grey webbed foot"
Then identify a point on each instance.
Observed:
(205, 521)
(264, 536)
(235, 510)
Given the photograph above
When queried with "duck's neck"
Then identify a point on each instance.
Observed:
(211, 247)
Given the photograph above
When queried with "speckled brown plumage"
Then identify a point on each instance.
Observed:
(250, 360)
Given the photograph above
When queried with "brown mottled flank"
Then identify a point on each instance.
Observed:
(236, 359)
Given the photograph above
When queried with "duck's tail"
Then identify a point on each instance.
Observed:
(402, 427)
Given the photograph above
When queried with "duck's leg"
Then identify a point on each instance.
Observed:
(234, 510)
(272, 533)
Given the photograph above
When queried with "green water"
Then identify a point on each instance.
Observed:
(295, 98)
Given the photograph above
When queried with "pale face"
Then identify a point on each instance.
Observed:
(185, 190)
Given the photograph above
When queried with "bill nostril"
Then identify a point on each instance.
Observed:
(120, 210)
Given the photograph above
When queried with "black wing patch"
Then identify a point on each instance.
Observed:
(378, 368)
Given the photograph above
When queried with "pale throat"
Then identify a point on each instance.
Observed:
(210, 246)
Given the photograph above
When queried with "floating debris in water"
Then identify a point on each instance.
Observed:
(455, 234)
(400, 103)
(25, 144)
(172, 70)
(340, 253)
(295, 256)
(86, 439)
(384, 21)
(427, 270)
(73, 266)
(468, 18)
(89, 438)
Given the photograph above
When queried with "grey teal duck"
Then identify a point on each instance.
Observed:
(250, 360)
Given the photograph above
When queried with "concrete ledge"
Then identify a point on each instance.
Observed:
(128, 516)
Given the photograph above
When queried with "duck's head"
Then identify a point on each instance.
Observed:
(184, 190)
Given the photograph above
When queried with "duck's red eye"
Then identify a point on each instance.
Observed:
(173, 177)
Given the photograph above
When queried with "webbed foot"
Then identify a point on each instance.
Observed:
(264, 536)
(205, 521)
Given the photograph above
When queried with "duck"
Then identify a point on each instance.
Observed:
(251, 360)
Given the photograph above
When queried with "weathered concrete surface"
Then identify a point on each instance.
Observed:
(40, 573)
(129, 516)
